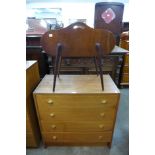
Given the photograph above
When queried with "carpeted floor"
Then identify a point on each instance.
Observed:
(120, 145)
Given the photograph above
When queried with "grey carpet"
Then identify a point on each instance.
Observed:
(120, 145)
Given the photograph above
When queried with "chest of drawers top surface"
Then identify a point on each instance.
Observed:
(76, 84)
(30, 63)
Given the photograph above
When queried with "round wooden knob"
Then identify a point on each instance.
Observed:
(53, 126)
(100, 137)
(101, 126)
(52, 114)
(102, 114)
(50, 101)
(54, 137)
(104, 101)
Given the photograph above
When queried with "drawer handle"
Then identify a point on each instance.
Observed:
(50, 101)
(102, 114)
(54, 137)
(53, 126)
(52, 114)
(101, 126)
(104, 101)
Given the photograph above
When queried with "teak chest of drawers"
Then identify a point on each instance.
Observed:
(78, 112)
(32, 127)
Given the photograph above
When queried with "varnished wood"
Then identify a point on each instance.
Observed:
(96, 126)
(76, 100)
(115, 26)
(124, 43)
(125, 74)
(72, 114)
(125, 69)
(77, 84)
(77, 116)
(125, 78)
(32, 128)
(78, 40)
(88, 137)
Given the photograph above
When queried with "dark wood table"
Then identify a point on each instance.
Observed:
(113, 63)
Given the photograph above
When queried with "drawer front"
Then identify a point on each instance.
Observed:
(125, 78)
(125, 69)
(77, 114)
(77, 126)
(77, 137)
(63, 101)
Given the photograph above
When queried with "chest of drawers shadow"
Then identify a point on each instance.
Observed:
(78, 112)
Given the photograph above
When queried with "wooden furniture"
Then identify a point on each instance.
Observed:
(124, 43)
(78, 112)
(112, 65)
(108, 15)
(36, 53)
(78, 40)
(33, 40)
(32, 127)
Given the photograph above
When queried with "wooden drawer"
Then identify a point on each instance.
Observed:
(77, 126)
(77, 114)
(64, 101)
(126, 59)
(125, 78)
(88, 137)
(126, 69)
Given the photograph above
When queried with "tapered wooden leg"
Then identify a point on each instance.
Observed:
(109, 145)
(95, 62)
(45, 146)
(99, 54)
(101, 73)
(57, 60)
(59, 65)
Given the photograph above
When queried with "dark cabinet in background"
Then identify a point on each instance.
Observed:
(108, 15)
(36, 53)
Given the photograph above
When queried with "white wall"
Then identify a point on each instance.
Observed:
(74, 11)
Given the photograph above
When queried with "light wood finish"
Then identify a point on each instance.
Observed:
(52, 101)
(126, 69)
(125, 74)
(78, 112)
(125, 78)
(85, 126)
(126, 59)
(77, 84)
(124, 43)
(32, 128)
(75, 114)
(90, 137)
